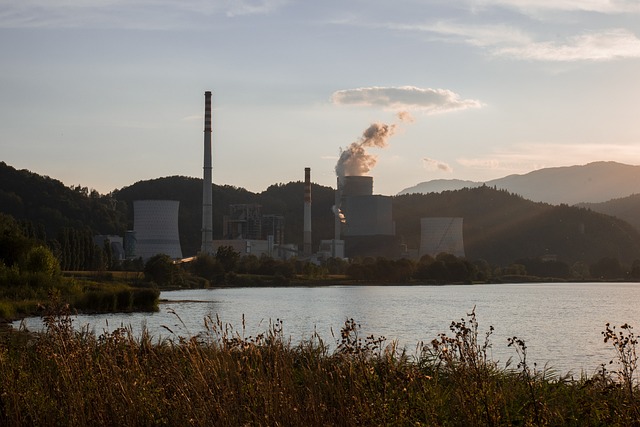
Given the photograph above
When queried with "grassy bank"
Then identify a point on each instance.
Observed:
(72, 378)
(27, 294)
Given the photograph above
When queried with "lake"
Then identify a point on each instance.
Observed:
(561, 323)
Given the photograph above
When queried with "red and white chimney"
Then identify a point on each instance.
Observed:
(307, 213)
(207, 196)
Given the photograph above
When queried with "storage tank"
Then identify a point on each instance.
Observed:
(441, 235)
(156, 228)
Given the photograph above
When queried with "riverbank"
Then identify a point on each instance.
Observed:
(76, 379)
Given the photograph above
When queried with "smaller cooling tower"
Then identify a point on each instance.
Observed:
(441, 235)
(156, 228)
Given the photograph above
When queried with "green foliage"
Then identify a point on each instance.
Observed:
(207, 267)
(227, 257)
(161, 270)
(607, 268)
(40, 260)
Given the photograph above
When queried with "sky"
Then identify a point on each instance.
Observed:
(105, 93)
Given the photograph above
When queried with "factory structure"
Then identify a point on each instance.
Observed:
(155, 226)
(363, 223)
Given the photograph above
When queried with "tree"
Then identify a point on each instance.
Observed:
(228, 257)
(607, 268)
(40, 259)
(160, 269)
(206, 266)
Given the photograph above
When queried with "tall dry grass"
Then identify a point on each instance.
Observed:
(64, 377)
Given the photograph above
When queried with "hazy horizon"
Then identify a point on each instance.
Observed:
(107, 93)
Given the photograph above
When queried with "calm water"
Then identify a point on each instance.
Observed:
(561, 323)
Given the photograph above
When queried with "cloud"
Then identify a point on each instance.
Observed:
(404, 98)
(436, 165)
(476, 35)
(253, 7)
(507, 41)
(604, 46)
(600, 6)
(128, 14)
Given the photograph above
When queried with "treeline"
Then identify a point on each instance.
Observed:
(229, 268)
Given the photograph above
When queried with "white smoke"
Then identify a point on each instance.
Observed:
(355, 160)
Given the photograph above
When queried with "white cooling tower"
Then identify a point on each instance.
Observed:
(155, 223)
(441, 235)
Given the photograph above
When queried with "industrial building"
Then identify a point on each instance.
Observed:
(366, 224)
(439, 235)
(155, 223)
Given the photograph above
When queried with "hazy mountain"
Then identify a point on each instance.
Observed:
(593, 182)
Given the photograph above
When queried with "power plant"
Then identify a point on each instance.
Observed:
(363, 222)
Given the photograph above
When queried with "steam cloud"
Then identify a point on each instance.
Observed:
(354, 160)
(404, 98)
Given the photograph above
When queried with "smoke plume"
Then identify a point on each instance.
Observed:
(354, 160)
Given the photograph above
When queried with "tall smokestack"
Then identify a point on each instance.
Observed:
(207, 203)
(307, 212)
(337, 219)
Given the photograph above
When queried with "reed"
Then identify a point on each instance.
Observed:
(222, 377)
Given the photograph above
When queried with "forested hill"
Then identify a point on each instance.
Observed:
(51, 206)
(625, 208)
(501, 227)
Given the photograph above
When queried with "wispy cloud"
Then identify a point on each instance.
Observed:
(138, 14)
(603, 46)
(429, 101)
(436, 165)
(476, 35)
(508, 41)
(600, 6)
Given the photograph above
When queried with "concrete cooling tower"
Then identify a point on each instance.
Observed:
(155, 223)
(441, 235)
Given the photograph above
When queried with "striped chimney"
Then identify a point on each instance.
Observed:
(307, 212)
(207, 196)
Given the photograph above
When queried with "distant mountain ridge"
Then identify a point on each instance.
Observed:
(591, 183)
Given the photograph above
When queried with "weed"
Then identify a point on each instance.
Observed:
(624, 343)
